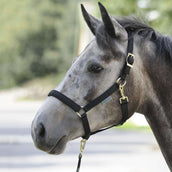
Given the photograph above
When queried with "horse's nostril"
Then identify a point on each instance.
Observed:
(41, 130)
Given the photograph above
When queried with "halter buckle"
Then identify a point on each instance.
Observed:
(127, 58)
(81, 111)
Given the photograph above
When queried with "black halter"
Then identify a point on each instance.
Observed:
(81, 111)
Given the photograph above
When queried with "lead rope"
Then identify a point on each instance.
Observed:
(82, 146)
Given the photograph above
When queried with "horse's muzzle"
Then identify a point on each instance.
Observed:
(38, 132)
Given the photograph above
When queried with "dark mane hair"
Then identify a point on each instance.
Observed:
(131, 24)
(163, 43)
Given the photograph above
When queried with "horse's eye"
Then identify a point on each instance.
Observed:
(95, 68)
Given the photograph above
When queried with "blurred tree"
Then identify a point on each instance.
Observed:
(121, 8)
(39, 37)
(36, 38)
(162, 10)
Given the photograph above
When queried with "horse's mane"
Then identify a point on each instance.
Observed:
(163, 43)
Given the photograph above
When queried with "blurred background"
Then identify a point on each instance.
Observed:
(38, 41)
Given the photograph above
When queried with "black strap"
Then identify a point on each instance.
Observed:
(124, 110)
(130, 42)
(129, 57)
(66, 100)
(86, 126)
(102, 97)
(86, 108)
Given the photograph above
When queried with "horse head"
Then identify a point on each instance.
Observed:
(91, 74)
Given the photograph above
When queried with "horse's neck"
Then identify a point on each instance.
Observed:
(157, 108)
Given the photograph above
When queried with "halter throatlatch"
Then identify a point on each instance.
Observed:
(81, 111)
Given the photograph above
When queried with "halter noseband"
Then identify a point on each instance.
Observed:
(81, 111)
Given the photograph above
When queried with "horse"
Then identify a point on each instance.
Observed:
(105, 63)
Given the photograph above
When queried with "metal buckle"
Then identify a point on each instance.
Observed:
(128, 64)
(82, 111)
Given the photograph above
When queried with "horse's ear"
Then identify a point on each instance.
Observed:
(107, 21)
(91, 21)
(113, 28)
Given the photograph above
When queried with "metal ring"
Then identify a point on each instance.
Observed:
(121, 82)
(78, 114)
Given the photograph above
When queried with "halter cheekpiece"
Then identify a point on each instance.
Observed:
(81, 111)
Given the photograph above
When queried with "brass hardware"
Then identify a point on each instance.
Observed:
(78, 114)
(121, 99)
(121, 90)
(128, 64)
(79, 111)
(120, 81)
(82, 145)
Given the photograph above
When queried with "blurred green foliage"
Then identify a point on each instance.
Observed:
(37, 38)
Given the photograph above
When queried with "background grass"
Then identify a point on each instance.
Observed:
(131, 126)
